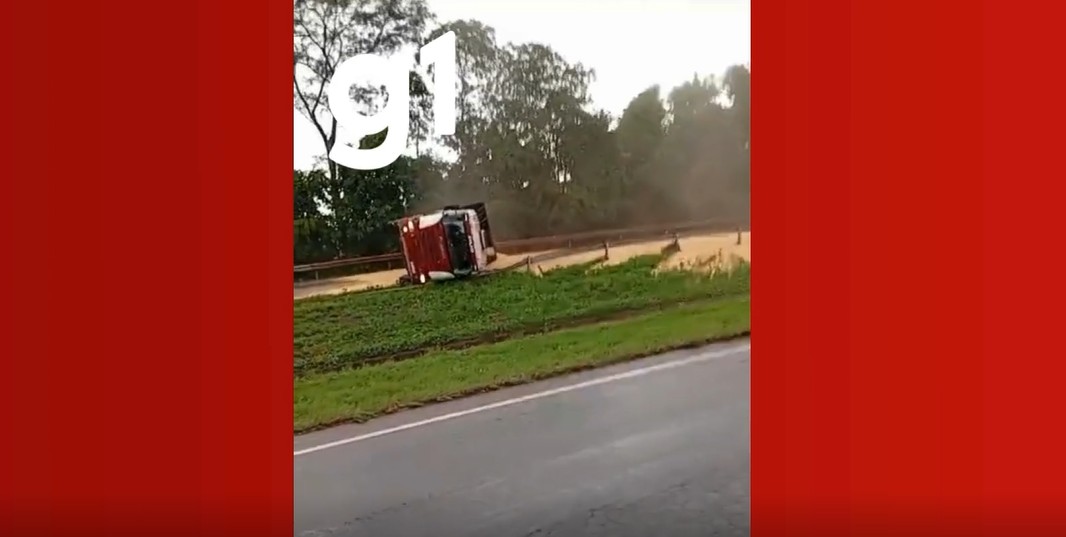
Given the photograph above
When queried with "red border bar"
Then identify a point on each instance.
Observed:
(907, 377)
(147, 402)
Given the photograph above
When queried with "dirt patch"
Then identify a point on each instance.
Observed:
(358, 282)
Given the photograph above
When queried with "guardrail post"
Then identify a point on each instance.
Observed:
(606, 251)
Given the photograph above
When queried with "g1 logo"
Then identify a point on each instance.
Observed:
(395, 115)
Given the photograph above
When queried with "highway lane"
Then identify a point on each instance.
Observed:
(653, 447)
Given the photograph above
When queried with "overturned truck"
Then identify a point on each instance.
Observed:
(452, 243)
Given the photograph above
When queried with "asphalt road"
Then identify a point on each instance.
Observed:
(624, 451)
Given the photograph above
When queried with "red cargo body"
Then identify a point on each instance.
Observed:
(448, 244)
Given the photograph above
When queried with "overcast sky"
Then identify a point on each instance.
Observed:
(631, 44)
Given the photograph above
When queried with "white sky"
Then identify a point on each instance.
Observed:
(631, 44)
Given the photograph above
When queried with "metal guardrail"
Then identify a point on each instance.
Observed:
(365, 260)
(516, 246)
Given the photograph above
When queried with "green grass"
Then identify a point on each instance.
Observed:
(335, 332)
(362, 393)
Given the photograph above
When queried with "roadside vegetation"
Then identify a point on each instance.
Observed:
(358, 394)
(337, 332)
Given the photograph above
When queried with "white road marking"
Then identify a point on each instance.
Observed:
(702, 357)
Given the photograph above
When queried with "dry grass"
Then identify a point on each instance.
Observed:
(710, 252)
(701, 252)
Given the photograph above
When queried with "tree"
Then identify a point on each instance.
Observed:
(738, 88)
(325, 33)
(372, 200)
(516, 105)
(703, 159)
(534, 102)
(478, 63)
(698, 151)
(591, 190)
(640, 135)
(311, 232)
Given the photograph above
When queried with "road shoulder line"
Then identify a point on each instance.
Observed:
(710, 354)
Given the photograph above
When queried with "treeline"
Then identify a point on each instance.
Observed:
(528, 141)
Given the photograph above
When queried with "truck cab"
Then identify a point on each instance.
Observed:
(454, 242)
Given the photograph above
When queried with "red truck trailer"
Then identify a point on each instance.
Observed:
(454, 242)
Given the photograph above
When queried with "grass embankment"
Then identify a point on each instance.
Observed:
(362, 393)
(337, 332)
